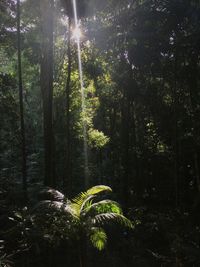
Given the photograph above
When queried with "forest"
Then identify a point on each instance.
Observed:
(99, 133)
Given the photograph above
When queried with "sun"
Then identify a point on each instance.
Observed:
(76, 33)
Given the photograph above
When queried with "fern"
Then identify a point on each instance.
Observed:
(82, 213)
(105, 218)
(92, 191)
(98, 189)
(79, 202)
(98, 238)
(104, 206)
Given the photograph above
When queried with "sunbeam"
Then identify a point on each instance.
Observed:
(77, 35)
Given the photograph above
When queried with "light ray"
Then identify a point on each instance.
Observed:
(85, 148)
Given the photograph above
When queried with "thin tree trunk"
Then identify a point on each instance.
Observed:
(193, 85)
(47, 7)
(196, 165)
(125, 143)
(193, 97)
(67, 179)
(137, 183)
(176, 144)
(23, 146)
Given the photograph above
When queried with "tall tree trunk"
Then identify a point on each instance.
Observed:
(125, 143)
(47, 10)
(67, 176)
(23, 146)
(193, 85)
(176, 136)
(137, 183)
(193, 91)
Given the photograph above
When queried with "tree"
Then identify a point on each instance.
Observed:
(67, 177)
(47, 7)
(23, 140)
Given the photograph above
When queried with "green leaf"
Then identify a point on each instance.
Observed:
(54, 206)
(98, 238)
(97, 139)
(105, 218)
(104, 206)
(98, 189)
(78, 201)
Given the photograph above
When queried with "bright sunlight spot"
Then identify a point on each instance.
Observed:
(76, 33)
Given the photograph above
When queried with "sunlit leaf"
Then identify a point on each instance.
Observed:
(105, 218)
(98, 238)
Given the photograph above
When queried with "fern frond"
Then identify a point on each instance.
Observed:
(87, 203)
(98, 189)
(50, 194)
(105, 218)
(79, 208)
(98, 238)
(92, 191)
(79, 201)
(46, 206)
(104, 206)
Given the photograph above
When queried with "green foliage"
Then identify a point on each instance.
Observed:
(98, 238)
(97, 139)
(105, 206)
(82, 215)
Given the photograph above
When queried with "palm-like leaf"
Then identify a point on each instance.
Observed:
(98, 238)
(50, 194)
(104, 218)
(98, 189)
(104, 206)
(47, 206)
(79, 202)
